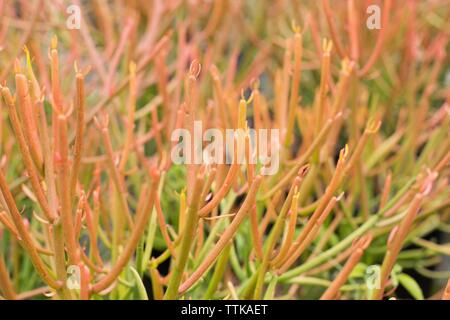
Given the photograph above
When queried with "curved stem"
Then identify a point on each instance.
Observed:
(26, 241)
(190, 227)
(130, 247)
(225, 238)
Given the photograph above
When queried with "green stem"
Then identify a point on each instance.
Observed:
(186, 242)
(218, 272)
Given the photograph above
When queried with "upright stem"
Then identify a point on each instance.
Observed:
(190, 226)
(78, 147)
(274, 235)
(115, 174)
(25, 239)
(225, 238)
(50, 180)
(141, 223)
(297, 43)
(395, 245)
(28, 120)
(66, 204)
(28, 161)
(6, 285)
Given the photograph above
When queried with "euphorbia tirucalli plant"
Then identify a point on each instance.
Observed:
(92, 205)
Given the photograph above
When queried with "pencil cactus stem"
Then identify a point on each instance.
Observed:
(324, 78)
(242, 113)
(283, 122)
(446, 293)
(116, 176)
(27, 115)
(35, 90)
(353, 30)
(66, 203)
(163, 226)
(78, 146)
(8, 224)
(396, 243)
(225, 237)
(333, 31)
(133, 240)
(191, 100)
(190, 226)
(6, 285)
(28, 161)
(208, 183)
(218, 272)
(182, 211)
(304, 158)
(256, 237)
(386, 190)
(293, 212)
(25, 238)
(275, 234)
(293, 100)
(131, 117)
(371, 129)
(347, 68)
(325, 205)
(380, 40)
(226, 186)
(351, 263)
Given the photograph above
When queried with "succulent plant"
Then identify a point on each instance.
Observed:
(355, 206)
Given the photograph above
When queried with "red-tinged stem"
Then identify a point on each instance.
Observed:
(26, 35)
(275, 234)
(84, 282)
(257, 242)
(226, 186)
(333, 31)
(446, 293)
(304, 157)
(136, 234)
(395, 245)
(25, 238)
(297, 44)
(6, 285)
(8, 224)
(353, 29)
(29, 125)
(66, 203)
(386, 191)
(78, 146)
(333, 289)
(50, 180)
(141, 66)
(325, 205)
(163, 227)
(116, 177)
(28, 161)
(131, 117)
